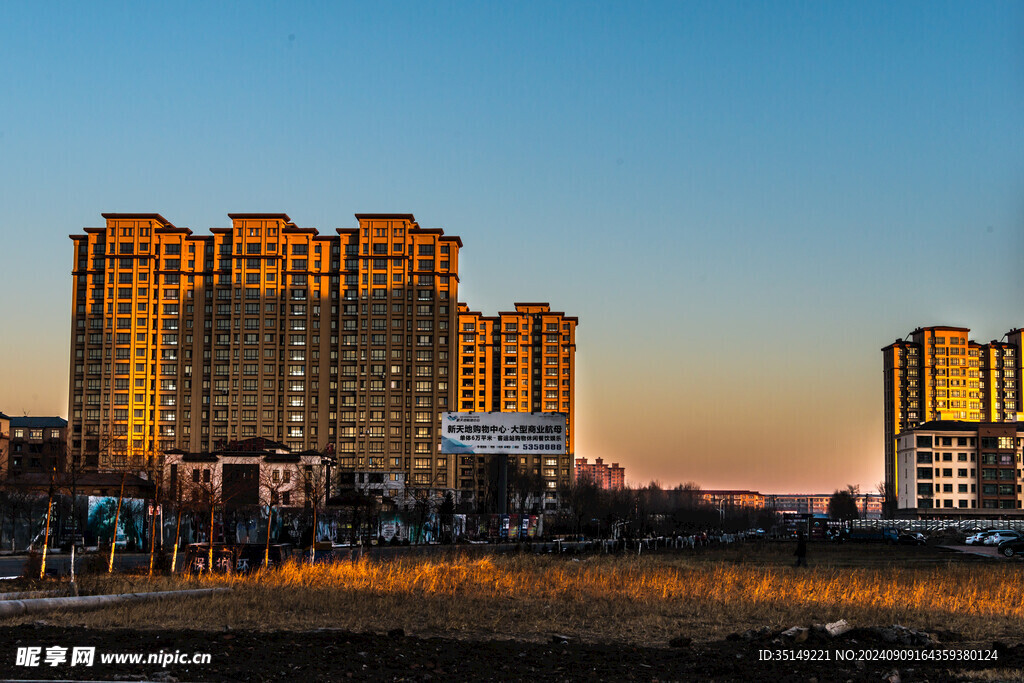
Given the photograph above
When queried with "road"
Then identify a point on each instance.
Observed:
(981, 550)
(60, 563)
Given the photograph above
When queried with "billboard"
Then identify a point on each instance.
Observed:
(511, 433)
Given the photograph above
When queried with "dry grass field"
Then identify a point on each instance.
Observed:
(627, 599)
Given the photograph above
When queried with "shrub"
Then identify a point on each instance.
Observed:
(94, 563)
(33, 565)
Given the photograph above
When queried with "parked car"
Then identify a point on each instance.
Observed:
(978, 538)
(1012, 547)
(912, 538)
(884, 535)
(1001, 535)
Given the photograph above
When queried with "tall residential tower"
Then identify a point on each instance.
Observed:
(264, 329)
(939, 374)
(346, 343)
(521, 361)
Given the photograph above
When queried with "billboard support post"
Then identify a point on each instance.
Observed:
(502, 483)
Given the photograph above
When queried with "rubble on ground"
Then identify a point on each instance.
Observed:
(841, 631)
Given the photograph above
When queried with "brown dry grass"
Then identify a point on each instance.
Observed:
(628, 599)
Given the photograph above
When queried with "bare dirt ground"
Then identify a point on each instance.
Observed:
(327, 655)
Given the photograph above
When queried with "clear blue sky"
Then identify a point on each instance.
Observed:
(742, 202)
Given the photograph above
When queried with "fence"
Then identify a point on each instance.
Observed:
(935, 525)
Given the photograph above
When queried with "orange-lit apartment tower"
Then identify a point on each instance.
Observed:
(902, 398)
(264, 328)
(938, 374)
(1000, 379)
(1015, 400)
(518, 361)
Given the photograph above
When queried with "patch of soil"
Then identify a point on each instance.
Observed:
(332, 655)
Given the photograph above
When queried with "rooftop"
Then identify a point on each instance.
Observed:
(38, 422)
(960, 426)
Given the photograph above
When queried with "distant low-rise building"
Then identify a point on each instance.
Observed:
(739, 499)
(35, 445)
(869, 505)
(605, 476)
(5, 442)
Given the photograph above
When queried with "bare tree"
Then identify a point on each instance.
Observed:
(26, 505)
(117, 519)
(314, 482)
(688, 495)
(276, 481)
(5, 500)
(580, 500)
(7, 506)
(154, 511)
(125, 461)
(6, 511)
(49, 514)
(203, 488)
(446, 516)
(178, 512)
(21, 507)
(843, 504)
(70, 481)
(889, 502)
(423, 502)
(525, 486)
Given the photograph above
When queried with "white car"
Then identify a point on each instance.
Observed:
(978, 538)
(998, 537)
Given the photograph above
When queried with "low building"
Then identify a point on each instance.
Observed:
(247, 473)
(36, 445)
(869, 505)
(950, 468)
(733, 499)
(605, 476)
(5, 442)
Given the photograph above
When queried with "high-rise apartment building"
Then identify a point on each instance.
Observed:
(939, 374)
(264, 329)
(346, 342)
(518, 361)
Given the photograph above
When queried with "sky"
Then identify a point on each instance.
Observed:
(742, 202)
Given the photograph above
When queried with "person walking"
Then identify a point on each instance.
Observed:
(801, 550)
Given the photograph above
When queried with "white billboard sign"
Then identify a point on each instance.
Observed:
(511, 433)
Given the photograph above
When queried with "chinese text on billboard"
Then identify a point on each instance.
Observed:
(512, 433)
